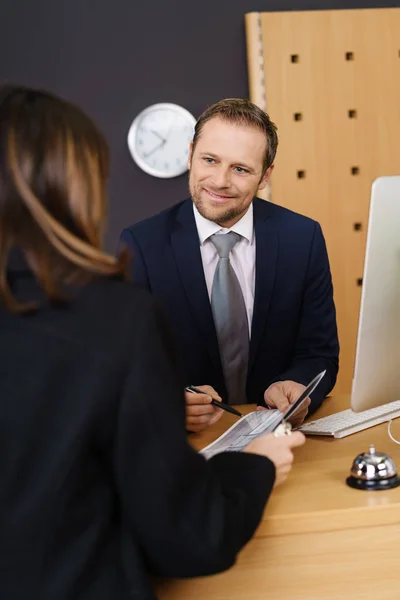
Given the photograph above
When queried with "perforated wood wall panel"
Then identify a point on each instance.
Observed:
(331, 82)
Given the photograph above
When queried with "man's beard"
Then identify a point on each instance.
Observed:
(218, 216)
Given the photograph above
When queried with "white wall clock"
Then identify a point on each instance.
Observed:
(159, 139)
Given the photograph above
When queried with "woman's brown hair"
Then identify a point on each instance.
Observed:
(53, 172)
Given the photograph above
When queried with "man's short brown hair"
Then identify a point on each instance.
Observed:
(242, 112)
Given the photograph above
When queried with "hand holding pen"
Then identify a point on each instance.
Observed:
(204, 407)
(216, 401)
(200, 413)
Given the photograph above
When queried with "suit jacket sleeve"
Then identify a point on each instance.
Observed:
(190, 516)
(317, 345)
(138, 269)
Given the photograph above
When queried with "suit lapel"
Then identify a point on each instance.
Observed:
(186, 248)
(267, 245)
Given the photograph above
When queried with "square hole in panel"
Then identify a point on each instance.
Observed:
(298, 116)
(352, 114)
(301, 174)
(359, 281)
(355, 170)
(294, 58)
(349, 55)
(357, 226)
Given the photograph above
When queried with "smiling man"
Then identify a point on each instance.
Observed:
(246, 283)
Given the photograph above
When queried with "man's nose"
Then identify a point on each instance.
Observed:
(221, 177)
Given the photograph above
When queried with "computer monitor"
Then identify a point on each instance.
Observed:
(377, 366)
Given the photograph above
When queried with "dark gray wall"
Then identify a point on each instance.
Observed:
(115, 57)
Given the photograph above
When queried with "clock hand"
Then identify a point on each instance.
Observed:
(158, 135)
(147, 154)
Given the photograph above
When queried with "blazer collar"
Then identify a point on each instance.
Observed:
(186, 248)
(267, 255)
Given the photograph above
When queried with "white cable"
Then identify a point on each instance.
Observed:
(390, 433)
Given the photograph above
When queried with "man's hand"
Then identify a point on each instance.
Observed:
(283, 393)
(200, 413)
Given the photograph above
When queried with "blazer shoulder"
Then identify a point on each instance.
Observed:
(107, 312)
(285, 218)
(162, 221)
(126, 297)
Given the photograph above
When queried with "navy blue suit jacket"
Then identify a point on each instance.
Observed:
(294, 333)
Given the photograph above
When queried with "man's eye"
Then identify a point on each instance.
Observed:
(241, 170)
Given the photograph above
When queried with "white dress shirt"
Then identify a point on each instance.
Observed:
(242, 256)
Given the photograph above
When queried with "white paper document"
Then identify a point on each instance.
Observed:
(257, 423)
(245, 430)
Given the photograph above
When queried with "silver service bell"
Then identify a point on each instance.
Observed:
(373, 471)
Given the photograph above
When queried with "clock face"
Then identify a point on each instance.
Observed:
(159, 139)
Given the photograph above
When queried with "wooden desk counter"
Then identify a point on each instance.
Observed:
(319, 539)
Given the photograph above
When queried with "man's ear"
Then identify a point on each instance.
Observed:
(265, 178)
(189, 161)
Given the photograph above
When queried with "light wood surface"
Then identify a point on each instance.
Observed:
(318, 539)
(325, 142)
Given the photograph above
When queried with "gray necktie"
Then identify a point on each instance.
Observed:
(230, 319)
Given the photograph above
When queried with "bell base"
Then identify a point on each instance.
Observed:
(373, 486)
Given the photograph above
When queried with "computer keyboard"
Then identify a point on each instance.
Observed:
(347, 422)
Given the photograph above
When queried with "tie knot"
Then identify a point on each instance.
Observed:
(224, 242)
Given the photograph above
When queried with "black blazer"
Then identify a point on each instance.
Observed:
(294, 334)
(98, 486)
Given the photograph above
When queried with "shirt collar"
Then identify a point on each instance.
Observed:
(206, 228)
